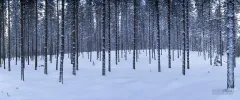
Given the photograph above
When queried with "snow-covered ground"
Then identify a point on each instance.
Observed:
(201, 82)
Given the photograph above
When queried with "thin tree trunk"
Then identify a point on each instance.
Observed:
(103, 38)
(62, 45)
(109, 37)
(57, 37)
(76, 29)
(158, 36)
(73, 39)
(22, 40)
(116, 29)
(9, 38)
(46, 37)
(134, 32)
(184, 39)
(187, 34)
(169, 33)
(36, 41)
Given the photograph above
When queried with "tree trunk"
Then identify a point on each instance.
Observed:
(9, 38)
(169, 33)
(62, 45)
(46, 37)
(230, 43)
(158, 35)
(184, 39)
(103, 38)
(36, 41)
(22, 40)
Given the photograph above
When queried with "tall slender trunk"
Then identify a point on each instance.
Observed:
(184, 39)
(4, 54)
(36, 30)
(109, 37)
(46, 37)
(73, 39)
(210, 33)
(230, 43)
(57, 37)
(220, 32)
(22, 40)
(62, 45)
(149, 33)
(103, 38)
(169, 33)
(9, 38)
(76, 29)
(134, 32)
(116, 29)
(28, 38)
(187, 33)
(158, 36)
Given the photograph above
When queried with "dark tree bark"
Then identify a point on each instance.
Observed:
(134, 31)
(103, 38)
(36, 37)
(116, 29)
(22, 40)
(169, 33)
(57, 37)
(158, 35)
(220, 32)
(62, 45)
(109, 37)
(9, 38)
(230, 43)
(46, 37)
(4, 53)
(73, 39)
(28, 38)
(184, 38)
(76, 29)
(187, 33)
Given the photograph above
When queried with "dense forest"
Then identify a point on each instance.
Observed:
(47, 29)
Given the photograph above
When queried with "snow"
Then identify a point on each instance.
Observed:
(201, 82)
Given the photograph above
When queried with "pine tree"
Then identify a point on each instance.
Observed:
(22, 40)
(116, 31)
(28, 36)
(76, 28)
(210, 31)
(103, 37)
(4, 53)
(158, 35)
(109, 37)
(184, 38)
(169, 33)
(230, 43)
(73, 39)
(9, 39)
(57, 37)
(187, 33)
(36, 32)
(62, 45)
(149, 31)
(220, 32)
(46, 37)
(134, 32)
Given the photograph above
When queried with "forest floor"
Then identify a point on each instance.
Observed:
(201, 82)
